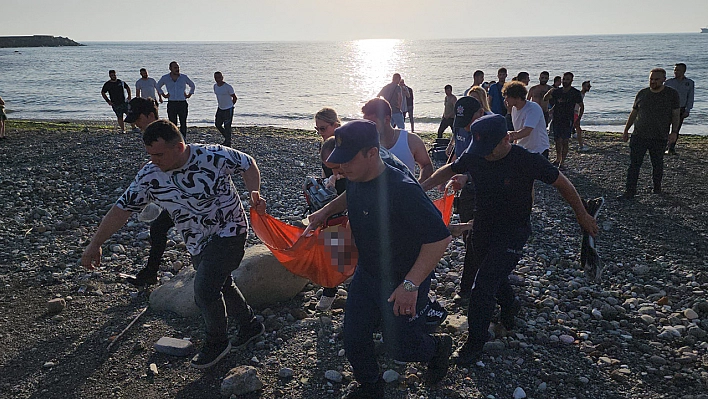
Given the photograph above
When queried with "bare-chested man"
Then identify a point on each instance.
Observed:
(537, 92)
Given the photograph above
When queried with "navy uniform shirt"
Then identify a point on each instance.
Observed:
(504, 187)
(391, 218)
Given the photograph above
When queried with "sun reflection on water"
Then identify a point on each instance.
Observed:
(372, 63)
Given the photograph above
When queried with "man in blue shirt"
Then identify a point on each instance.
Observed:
(503, 176)
(400, 236)
(496, 100)
(176, 85)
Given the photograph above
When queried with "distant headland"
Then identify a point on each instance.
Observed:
(36, 41)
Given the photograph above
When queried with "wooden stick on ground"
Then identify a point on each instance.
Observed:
(142, 312)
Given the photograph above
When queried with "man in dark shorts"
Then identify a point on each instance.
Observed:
(503, 176)
(448, 117)
(656, 109)
(563, 101)
(400, 237)
(114, 87)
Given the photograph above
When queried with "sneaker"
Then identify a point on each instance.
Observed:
(670, 151)
(438, 365)
(247, 334)
(507, 314)
(210, 354)
(466, 356)
(325, 302)
(366, 391)
(144, 278)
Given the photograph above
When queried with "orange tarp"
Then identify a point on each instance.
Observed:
(309, 257)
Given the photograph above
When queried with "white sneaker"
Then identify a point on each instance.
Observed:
(325, 302)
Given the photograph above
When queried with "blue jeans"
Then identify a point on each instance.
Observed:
(397, 120)
(495, 256)
(368, 308)
(215, 293)
(223, 120)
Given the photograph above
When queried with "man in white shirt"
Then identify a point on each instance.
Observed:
(528, 119)
(176, 85)
(685, 87)
(226, 98)
(146, 87)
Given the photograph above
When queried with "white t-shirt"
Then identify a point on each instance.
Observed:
(147, 87)
(223, 95)
(531, 115)
(200, 196)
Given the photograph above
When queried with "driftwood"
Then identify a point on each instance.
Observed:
(142, 312)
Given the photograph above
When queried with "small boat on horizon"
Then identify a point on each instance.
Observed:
(704, 30)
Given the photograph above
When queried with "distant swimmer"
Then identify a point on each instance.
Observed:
(226, 99)
(656, 109)
(478, 80)
(579, 112)
(114, 87)
(564, 101)
(496, 100)
(176, 85)
(393, 93)
(685, 88)
(448, 117)
(537, 92)
(409, 103)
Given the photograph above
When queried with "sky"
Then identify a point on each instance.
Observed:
(277, 20)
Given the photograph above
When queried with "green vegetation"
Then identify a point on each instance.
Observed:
(65, 126)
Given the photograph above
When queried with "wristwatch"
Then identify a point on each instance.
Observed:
(409, 286)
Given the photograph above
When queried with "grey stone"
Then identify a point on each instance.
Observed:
(333, 375)
(690, 314)
(176, 295)
(493, 346)
(286, 372)
(390, 376)
(240, 381)
(174, 346)
(56, 305)
(657, 360)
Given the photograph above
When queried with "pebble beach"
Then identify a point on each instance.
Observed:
(641, 332)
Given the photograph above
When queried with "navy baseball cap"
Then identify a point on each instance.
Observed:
(486, 132)
(352, 138)
(465, 108)
(139, 106)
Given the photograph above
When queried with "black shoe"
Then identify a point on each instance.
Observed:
(248, 333)
(626, 197)
(438, 365)
(210, 354)
(226, 144)
(367, 391)
(144, 278)
(670, 151)
(657, 190)
(467, 356)
(507, 314)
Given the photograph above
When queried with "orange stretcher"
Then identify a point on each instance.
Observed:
(315, 257)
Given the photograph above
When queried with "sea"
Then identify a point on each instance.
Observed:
(283, 84)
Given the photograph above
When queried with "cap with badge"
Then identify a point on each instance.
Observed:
(352, 138)
(465, 108)
(487, 132)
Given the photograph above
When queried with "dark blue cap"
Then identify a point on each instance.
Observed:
(486, 132)
(465, 108)
(352, 138)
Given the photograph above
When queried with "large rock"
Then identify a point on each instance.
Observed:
(240, 381)
(260, 277)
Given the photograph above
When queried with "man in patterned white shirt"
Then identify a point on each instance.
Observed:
(193, 183)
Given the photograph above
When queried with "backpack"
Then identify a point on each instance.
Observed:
(316, 194)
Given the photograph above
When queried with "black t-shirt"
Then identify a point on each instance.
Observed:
(504, 187)
(654, 113)
(115, 91)
(564, 103)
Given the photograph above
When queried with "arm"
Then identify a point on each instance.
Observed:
(427, 259)
(252, 180)
(440, 176)
(630, 122)
(318, 218)
(191, 87)
(161, 93)
(420, 156)
(567, 190)
(112, 222)
(529, 96)
(233, 98)
(137, 90)
(549, 94)
(581, 110)
(675, 120)
(127, 88)
(689, 100)
(105, 97)
(520, 134)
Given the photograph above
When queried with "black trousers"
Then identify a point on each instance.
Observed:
(673, 145)
(158, 240)
(638, 147)
(178, 109)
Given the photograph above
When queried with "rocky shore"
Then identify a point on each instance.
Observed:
(641, 332)
(36, 41)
